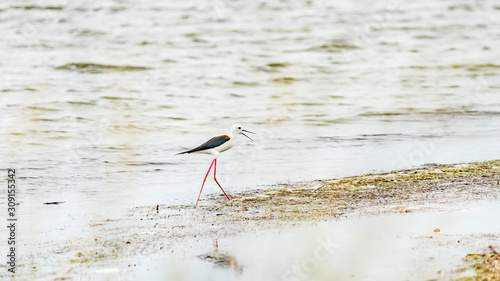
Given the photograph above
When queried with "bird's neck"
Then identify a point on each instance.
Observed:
(233, 135)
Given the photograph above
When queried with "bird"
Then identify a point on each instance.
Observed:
(214, 147)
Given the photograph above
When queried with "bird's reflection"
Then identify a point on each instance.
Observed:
(222, 259)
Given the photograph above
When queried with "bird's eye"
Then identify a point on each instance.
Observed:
(239, 128)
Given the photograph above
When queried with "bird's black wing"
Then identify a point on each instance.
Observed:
(211, 143)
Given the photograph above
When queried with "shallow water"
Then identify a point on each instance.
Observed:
(98, 96)
(376, 247)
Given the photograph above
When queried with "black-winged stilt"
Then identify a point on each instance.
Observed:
(215, 146)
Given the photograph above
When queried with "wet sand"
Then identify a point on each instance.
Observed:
(123, 247)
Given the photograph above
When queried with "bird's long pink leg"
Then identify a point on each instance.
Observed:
(204, 181)
(215, 172)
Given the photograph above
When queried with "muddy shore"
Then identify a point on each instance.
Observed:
(151, 231)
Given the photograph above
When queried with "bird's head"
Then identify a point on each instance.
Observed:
(237, 129)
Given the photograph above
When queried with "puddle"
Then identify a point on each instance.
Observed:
(387, 247)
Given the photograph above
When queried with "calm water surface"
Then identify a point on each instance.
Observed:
(98, 96)
(380, 247)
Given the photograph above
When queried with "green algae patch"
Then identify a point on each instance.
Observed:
(33, 7)
(99, 68)
(185, 207)
(277, 64)
(433, 184)
(430, 173)
(334, 46)
(477, 67)
(284, 80)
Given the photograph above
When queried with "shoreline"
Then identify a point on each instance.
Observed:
(144, 232)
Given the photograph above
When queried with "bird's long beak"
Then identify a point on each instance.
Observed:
(246, 135)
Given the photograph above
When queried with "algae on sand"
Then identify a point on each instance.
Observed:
(486, 266)
(434, 184)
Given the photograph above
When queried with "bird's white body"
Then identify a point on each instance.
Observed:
(225, 146)
(215, 146)
(217, 150)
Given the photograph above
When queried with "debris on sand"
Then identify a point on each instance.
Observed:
(487, 266)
